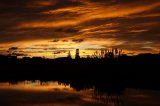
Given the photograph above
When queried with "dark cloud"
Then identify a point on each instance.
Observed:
(123, 20)
(42, 45)
(13, 12)
(64, 40)
(55, 40)
(77, 40)
(66, 30)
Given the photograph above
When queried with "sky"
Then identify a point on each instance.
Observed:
(51, 28)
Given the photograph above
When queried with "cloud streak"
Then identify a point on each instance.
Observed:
(82, 21)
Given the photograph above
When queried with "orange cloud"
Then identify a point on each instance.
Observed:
(88, 13)
(96, 23)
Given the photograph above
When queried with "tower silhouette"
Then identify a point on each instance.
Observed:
(77, 54)
(69, 54)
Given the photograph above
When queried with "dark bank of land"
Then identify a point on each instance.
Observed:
(134, 71)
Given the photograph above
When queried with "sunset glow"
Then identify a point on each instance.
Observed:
(52, 28)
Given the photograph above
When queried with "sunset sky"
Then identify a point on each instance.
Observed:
(51, 28)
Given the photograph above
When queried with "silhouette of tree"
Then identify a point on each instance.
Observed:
(12, 51)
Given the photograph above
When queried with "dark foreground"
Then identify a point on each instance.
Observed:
(138, 71)
(126, 81)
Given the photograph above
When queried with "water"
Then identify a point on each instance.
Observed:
(52, 93)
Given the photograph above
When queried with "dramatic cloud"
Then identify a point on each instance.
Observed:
(114, 23)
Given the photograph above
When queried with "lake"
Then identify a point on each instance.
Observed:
(54, 93)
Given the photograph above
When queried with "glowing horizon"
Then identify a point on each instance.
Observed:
(42, 28)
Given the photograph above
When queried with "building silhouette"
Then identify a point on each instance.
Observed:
(77, 54)
(69, 54)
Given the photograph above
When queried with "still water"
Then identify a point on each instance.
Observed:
(52, 93)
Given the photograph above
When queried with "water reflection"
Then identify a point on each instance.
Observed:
(34, 86)
(50, 93)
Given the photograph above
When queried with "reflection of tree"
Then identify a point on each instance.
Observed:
(113, 99)
(106, 92)
(108, 95)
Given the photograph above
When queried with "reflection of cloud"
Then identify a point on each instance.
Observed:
(139, 97)
(51, 93)
(44, 95)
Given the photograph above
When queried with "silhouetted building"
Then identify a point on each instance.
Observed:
(77, 54)
(69, 54)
